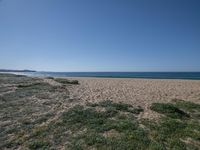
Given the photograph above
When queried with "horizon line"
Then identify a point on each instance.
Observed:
(32, 70)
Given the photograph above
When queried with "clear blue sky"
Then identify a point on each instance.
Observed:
(100, 35)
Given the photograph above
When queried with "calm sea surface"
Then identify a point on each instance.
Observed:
(147, 75)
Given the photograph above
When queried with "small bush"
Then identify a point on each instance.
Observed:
(50, 77)
(169, 110)
(188, 106)
(66, 81)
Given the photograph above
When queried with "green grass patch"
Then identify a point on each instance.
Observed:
(38, 144)
(188, 106)
(178, 125)
(66, 81)
(169, 109)
(116, 127)
(15, 79)
(25, 104)
(92, 125)
(117, 106)
(192, 108)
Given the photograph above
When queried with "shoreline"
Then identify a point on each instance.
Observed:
(115, 75)
(72, 77)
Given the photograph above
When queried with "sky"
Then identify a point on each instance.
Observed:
(100, 35)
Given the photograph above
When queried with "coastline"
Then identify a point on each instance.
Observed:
(134, 75)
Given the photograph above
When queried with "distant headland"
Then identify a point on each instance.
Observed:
(10, 70)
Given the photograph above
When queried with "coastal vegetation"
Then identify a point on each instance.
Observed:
(38, 115)
(66, 81)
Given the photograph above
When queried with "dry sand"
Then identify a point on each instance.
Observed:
(141, 92)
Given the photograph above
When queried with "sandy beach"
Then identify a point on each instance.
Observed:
(142, 92)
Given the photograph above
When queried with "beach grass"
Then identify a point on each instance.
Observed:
(30, 120)
(84, 127)
(66, 81)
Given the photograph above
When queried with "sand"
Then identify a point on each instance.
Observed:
(141, 92)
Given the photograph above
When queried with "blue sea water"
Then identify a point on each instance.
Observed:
(147, 75)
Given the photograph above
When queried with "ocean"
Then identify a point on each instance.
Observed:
(146, 75)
